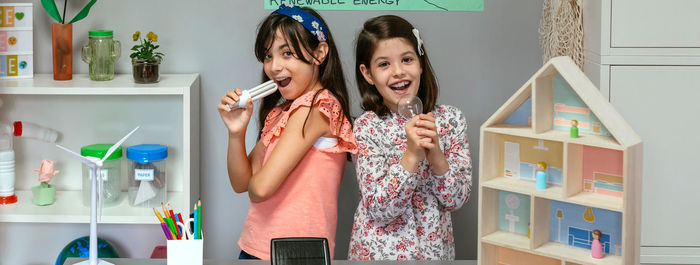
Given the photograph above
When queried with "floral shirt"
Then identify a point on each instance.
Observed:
(404, 215)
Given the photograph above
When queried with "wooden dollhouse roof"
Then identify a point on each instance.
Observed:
(541, 84)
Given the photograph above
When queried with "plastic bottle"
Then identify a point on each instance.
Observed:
(7, 170)
(29, 130)
(7, 154)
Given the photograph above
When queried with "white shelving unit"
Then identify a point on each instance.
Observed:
(87, 112)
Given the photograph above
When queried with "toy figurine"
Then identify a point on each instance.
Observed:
(596, 247)
(44, 194)
(573, 132)
(541, 176)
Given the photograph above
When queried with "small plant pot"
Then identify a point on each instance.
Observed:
(44, 195)
(145, 72)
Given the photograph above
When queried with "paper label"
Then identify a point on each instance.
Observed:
(143, 174)
(103, 172)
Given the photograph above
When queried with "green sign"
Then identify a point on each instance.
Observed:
(395, 5)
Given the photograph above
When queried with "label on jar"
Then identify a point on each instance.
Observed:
(103, 172)
(143, 174)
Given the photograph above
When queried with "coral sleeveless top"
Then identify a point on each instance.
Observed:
(306, 203)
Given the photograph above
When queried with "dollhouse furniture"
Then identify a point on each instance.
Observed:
(88, 112)
(594, 181)
(644, 57)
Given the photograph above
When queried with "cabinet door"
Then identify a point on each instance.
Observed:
(654, 23)
(661, 104)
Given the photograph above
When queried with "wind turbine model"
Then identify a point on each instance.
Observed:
(96, 165)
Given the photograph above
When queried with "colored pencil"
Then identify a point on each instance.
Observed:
(165, 211)
(166, 230)
(199, 220)
(160, 218)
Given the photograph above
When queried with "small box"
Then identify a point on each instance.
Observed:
(185, 252)
(16, 41)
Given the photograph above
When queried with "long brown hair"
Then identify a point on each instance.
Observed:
(374, 31)
(331, 72)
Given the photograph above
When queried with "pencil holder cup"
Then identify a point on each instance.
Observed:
(185, 252)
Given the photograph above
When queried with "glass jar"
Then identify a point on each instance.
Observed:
(145, 71)
(147, 178)
(111, 173)
(100, 54)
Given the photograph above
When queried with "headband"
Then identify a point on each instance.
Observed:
(306, 19)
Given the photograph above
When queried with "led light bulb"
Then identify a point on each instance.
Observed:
(409, 106)
(255, 93)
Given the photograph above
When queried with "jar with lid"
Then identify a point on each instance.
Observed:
(100, 53)
(111, 173)
(147, 178)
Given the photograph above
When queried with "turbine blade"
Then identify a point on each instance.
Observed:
(89, 162)
(116, 145)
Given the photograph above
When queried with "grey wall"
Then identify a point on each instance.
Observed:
(480, 58)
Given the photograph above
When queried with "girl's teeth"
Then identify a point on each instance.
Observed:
(400, 84)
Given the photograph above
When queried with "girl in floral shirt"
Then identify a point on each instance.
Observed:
(412, 172)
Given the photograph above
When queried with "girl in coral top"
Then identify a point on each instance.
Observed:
(412, 172)
(294, 172)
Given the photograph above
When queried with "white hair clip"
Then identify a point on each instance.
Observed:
(420, 41)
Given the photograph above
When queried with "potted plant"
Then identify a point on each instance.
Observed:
(145, 59)
(45, 193)
(62, 37)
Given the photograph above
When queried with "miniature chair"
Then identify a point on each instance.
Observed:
(300, 250)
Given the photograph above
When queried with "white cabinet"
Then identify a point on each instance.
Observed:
(655, 24)
(644, 55)
(87, 112)
(661, 103)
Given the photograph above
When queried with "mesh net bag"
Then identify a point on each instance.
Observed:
(561, 30)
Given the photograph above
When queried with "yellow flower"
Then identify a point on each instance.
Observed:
(137, 34)
(152, 36)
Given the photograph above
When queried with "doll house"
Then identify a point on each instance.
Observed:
(593, 181)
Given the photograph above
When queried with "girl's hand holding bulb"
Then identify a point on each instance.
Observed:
(421, 133)
(236, 119)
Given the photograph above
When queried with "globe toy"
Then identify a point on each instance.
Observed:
(79, 248)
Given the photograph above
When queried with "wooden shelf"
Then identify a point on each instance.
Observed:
(69, 208)
(597, 200)
(555, 193)
(554, 250)
(524, 187)
(507, 239)
(554, 135)
(575, 254)
(43, 84)
(495, 156)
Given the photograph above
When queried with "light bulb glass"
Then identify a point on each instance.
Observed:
(409, 106)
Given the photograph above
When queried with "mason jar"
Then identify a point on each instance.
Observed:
(100, 54)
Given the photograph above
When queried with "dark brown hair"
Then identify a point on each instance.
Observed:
(374, 31)
(330, 71)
